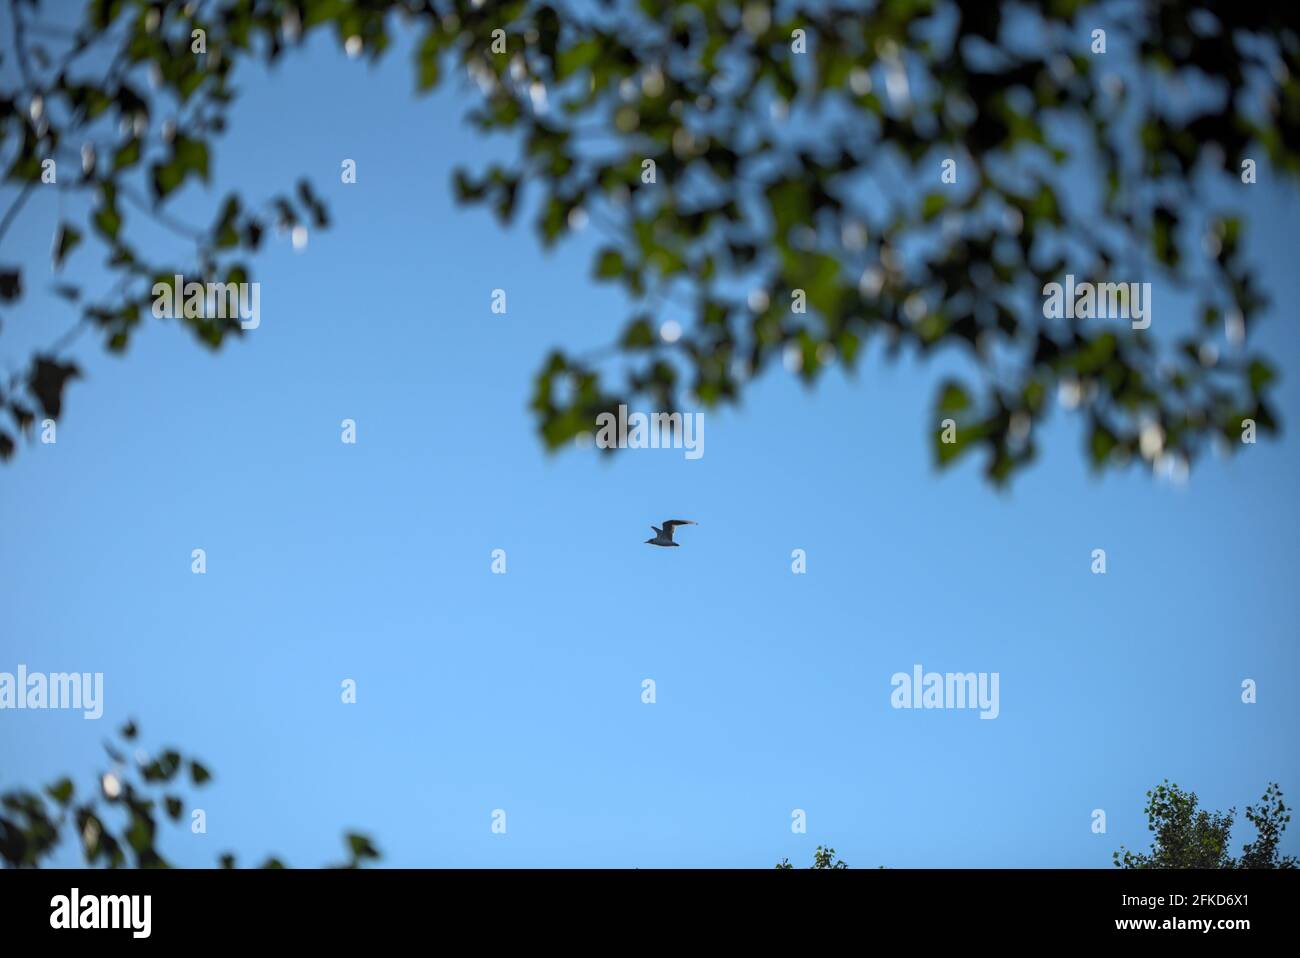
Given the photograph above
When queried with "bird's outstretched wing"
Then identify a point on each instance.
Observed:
(671, 524)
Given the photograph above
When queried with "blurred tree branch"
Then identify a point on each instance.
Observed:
(133, 793)
(796, 151)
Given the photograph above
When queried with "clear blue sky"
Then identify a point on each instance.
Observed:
(523, 691)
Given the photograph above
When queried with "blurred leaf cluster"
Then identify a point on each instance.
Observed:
(795, 150)
(115, 822)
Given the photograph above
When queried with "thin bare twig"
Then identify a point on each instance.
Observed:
(14, 208)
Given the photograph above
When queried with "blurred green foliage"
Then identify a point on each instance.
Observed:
(115, 822)
(797, 151)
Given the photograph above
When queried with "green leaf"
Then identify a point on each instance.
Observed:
(189, 157)
(609, 263)
(1261, 374)
(163, 768)
(127, 155)
(953, 397)
(140, 835)
(192, 156)
(61, 791)
(577, 57)
(165, 178)
(65, 241)
(790, 205)
(107, 222)
(427, 61)
(639, 334)
(1101, 443)
(361, 846)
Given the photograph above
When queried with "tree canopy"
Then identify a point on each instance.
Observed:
(798, 179)
(823, 858)
(1187, 836)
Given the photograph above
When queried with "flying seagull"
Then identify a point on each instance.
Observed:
(664, 536)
